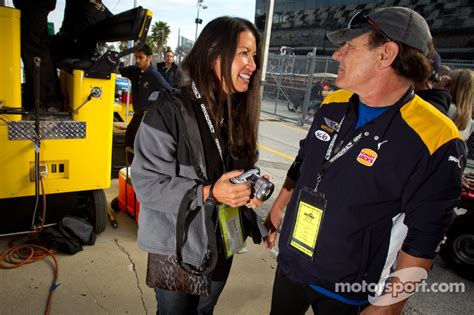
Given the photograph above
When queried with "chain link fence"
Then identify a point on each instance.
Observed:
(295, 86)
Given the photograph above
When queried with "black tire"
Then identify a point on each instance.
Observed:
(97, 210)
(114, 204)
(458, 250)
(291, 107)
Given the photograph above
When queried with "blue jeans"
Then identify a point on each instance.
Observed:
(171, 302)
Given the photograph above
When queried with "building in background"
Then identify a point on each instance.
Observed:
(300, 25)
(184, 47)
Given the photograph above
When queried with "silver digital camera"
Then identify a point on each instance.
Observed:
(262, 187)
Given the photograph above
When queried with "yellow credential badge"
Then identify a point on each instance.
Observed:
(231, 229)
(308, 222)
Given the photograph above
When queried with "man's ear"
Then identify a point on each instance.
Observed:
(388, 54)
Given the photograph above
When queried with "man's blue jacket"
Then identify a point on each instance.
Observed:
(393, 189)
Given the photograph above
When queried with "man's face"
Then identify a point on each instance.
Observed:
(169, 58)
(357, 63)
(142, 60)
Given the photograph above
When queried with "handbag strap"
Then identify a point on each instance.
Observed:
(181, 231)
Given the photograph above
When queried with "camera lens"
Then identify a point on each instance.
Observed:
(263, 189)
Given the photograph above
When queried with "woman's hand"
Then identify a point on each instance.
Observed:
(234, 195)
(255, 202)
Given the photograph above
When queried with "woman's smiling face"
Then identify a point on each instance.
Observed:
(243, 65)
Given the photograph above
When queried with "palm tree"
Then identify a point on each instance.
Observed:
(159, 36)
(123, 45)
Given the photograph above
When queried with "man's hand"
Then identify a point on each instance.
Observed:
(275, 216)
(272, 223)
(404, 262)
(394, 309)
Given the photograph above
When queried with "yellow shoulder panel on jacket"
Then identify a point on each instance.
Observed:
(339, 96)
(433, 127)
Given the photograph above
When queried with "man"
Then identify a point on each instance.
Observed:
(427, 90)
(75, 38)
(79, 15)
(34, 43)
(147, 82)
(169, 69)
(376, 177)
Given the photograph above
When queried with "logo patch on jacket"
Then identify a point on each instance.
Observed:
(322, 135)
(326, 128)
(367, 157)
(331, 124)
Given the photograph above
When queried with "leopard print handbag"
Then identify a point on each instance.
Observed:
(165, 272)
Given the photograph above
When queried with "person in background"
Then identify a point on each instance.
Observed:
(461, 88)
(191, 143)
(147, 82)
(444, 71)
(79, 15)
(375, 180)
(169, 69)
(434, 94)
(75, 38)
(35, 43)
(443, 78)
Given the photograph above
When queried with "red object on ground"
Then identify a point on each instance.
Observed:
(127, 200)
(124, 97)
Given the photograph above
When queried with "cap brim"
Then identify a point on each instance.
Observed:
(346, 34)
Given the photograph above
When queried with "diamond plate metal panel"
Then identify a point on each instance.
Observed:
(63, 129)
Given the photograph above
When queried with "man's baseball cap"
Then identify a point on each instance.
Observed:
(394, 23)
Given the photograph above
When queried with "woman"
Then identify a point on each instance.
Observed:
(191, 143)
(461, 88)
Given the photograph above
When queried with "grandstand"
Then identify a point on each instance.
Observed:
(304, 24)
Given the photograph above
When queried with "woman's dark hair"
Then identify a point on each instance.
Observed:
(220, 38)
(409, 63)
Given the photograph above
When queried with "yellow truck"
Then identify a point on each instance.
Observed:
(52, 168)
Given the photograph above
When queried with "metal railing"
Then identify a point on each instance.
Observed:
(295, 85)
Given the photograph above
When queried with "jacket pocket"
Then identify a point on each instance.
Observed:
(374, 251)
(364, 256)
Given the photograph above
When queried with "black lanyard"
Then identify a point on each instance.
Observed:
(332, 154)
(339, 151)
(209, 122)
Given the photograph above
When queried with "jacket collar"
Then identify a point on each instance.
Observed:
(386, 118)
